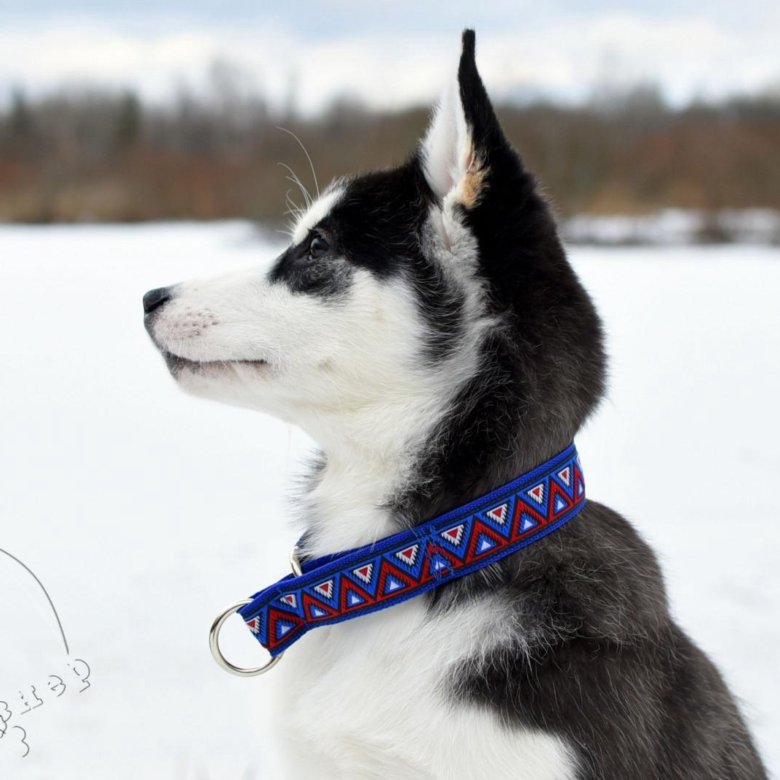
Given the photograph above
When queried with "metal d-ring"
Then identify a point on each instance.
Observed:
(295, 561)
(216, 627)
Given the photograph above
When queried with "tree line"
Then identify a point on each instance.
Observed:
(91, 155)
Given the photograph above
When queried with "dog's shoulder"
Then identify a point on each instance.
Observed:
(595, 577)
(600, 661)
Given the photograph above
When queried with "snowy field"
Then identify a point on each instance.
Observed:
(144, 511)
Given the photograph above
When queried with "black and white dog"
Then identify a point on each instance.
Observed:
(425, 327)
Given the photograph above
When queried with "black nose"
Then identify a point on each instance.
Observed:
(156, 298)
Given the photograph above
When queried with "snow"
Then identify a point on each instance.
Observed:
(676, 226)
(144, 511)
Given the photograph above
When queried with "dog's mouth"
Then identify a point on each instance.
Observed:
(176, 363)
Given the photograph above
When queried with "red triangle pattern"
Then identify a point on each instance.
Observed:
(480, 531)
(387, 571)
(314, 609)
(465, 543)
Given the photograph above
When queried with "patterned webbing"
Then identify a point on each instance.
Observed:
(380, 575)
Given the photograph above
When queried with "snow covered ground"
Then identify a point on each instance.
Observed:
(145, 511)
(672, 227)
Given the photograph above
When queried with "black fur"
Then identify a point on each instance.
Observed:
(607, 668)
(599, 659)
(326, 277)
(376, 226)
(380, 221)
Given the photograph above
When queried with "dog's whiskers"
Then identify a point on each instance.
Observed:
(308, 157)
(294, 210)
(293, 177)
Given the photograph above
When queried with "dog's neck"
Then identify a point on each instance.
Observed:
(348, 503)
(368, 457)
(390, 467)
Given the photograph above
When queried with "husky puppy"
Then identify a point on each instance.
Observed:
(425, 327)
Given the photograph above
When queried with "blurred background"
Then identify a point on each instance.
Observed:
(125, 111)
(140, 145)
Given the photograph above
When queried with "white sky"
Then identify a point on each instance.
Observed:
(391, 53)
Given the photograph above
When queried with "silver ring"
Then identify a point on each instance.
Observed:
(216, 627)
(295, 561)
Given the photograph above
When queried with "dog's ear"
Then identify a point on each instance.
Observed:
(463, 137)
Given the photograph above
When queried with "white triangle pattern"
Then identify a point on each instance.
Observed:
(364, 573)
(325, 589)
(499, 513)
(409, 555)
(537, 493)
(453, 535)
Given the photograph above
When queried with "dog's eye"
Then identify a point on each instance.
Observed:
(318, 247)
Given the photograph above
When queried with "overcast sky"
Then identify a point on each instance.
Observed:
(391, 52)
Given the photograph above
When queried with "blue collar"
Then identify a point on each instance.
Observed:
(380, 575)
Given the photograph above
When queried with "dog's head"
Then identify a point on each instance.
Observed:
(397, 289)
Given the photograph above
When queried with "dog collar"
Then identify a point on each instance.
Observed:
(357, 582)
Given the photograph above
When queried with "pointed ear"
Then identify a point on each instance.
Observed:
(463, 135)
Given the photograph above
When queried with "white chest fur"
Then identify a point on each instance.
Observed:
(369, 699)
